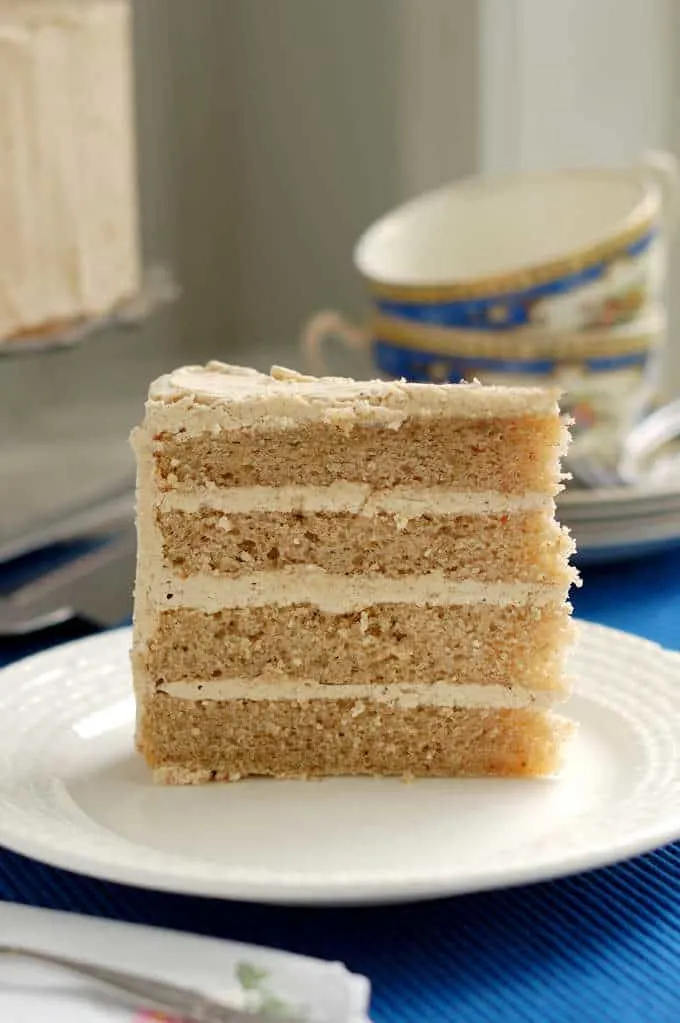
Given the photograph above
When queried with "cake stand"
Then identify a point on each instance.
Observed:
(157, 290)
(66, 469)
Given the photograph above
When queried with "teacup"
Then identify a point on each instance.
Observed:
(514, 280)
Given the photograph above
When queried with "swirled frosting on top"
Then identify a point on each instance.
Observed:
(219, 396)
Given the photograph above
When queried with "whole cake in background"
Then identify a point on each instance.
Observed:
(68, 202)
(339, 578)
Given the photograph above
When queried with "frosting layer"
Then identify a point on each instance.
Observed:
(338, 593)
(357, 498)
(221, 397)
(435, 694)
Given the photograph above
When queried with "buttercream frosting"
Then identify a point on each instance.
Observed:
(356, 498)
(338, 594)
(216, 397)
(435, 694)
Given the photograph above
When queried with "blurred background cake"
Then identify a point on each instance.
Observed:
(68, 205)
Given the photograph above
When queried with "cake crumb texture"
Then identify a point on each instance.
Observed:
(287, 739)
(510, 455)
(521, 546)
(383, 644)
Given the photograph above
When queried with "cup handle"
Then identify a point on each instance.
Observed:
(325, 329)
(664, 169)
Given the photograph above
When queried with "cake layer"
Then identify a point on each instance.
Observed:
(390, 643)
(186, 741)
(520, 547)
(508, 455)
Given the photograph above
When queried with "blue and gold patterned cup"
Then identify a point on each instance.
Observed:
(548, 277)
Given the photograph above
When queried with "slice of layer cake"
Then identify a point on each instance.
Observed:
(348, 578)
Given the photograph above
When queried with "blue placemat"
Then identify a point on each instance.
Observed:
(642, 597)
(603, 946)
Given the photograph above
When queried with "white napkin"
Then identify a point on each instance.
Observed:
(242, 975)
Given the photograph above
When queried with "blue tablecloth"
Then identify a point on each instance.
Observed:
(603, 946)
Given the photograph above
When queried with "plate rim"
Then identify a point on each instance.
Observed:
(350, 891)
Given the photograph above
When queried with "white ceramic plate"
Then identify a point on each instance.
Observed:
(73, 793)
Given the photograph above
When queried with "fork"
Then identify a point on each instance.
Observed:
(184, 1003)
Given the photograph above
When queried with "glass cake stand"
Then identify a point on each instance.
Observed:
(158, 289)
(68, 400)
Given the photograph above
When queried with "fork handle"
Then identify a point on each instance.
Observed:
(190, 1005)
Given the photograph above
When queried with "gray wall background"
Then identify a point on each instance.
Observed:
(288, 128)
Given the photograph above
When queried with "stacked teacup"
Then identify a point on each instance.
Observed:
(551, 279)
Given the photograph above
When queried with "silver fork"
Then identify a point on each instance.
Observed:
(183, 1003)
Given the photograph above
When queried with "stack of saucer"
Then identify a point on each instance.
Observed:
(622, 522)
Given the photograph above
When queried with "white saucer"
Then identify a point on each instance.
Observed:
(619, 502)
(618, 539)
(73, 793)
(622, 522)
